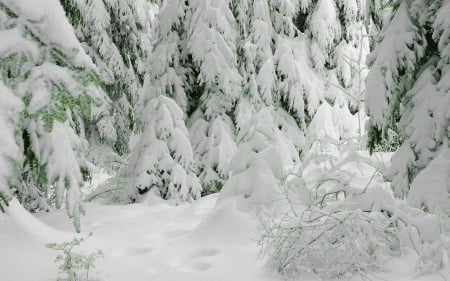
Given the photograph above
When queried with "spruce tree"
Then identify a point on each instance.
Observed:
(408, 93)
(162, 161)
(275, 62)
(212, 40)
(10, 154)
(195, 64)
(43, 65)
(338, 36)
(258, 166)
(116, 35)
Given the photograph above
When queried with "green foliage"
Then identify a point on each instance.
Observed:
(73, 13)
(212, 187)
(4, 199)
(75, 266)
(34, 37)
(55, 85)
(59, 58)
(12, 69)
(378, 140)
(111, 191)
(88, 77)
(33, 172)
(7, 11)
(120, 55)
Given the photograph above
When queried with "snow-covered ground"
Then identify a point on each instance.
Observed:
(157, 242)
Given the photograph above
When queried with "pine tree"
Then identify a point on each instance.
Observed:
(162, 161)
(408, 93)
(116, 35)
(42, 63)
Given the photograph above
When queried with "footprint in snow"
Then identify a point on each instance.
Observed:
(138, 251)
(207, 252)
(196, 266)
(201, 266)
(199, 260)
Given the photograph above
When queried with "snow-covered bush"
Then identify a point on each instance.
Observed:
(330, 244)
(334, 223)
(331, 240)
(341, 219)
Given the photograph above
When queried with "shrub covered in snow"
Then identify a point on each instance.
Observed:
(341, 220)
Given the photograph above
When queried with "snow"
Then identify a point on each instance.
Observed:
(10, 106)
(192, 242)
(53, 26)
(237, 99)
(431, 187)
(398, 50)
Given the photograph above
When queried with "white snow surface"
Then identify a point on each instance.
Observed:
(199, 241)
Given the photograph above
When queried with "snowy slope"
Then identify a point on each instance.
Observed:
(157, 242)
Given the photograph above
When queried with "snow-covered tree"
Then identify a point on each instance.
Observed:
(10, 154)
(260, 162)
(339, 42)
(275, 61)
(211, 41)
(167, 63)
(215, 146)
(162, 161)
(192, 63)
(408, 93)
(43, 64)
(116, 35)
(211, 35)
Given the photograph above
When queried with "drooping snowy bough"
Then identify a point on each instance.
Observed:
(56, 87)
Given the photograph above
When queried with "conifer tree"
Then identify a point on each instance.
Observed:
(10, 154)
(167, 64)
(42, 64)
(211, 39)
(195, 64)
(408, 93)
(259, 164)
(338, 37)
(276, 65)
(162, 161)
(116, 35)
